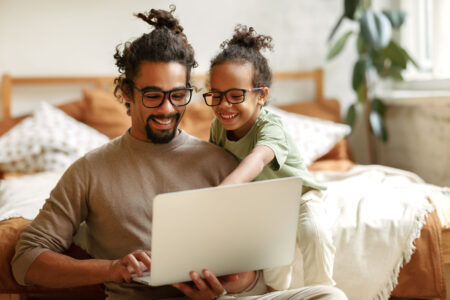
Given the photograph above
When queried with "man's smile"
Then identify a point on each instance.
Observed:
(163, 122)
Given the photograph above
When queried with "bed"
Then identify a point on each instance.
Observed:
(416, 273)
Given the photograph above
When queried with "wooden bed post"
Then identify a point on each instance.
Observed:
(318, 74)
(6, 96)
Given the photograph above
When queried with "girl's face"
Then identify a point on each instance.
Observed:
(237, 119)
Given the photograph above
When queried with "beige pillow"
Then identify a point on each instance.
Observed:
(313, 137)
(105, 113)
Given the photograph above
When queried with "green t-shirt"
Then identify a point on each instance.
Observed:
(268, 130)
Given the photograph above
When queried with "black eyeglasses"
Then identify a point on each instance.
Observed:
(152, 98)
(233, 96)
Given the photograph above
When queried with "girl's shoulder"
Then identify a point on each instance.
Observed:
(267, 117)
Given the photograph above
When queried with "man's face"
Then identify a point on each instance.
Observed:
(157, 125)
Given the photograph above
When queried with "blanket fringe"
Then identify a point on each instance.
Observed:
(386, 291)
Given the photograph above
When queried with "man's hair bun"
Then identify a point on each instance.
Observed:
(161, 18)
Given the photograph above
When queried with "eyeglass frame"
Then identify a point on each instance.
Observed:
(224, 95)
(169, 93)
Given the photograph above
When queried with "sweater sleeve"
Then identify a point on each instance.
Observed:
(56, 223)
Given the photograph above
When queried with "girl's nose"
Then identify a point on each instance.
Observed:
(224, 102)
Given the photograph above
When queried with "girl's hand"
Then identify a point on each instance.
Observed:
(134, 263)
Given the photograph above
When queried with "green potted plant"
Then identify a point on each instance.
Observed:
(379, 56)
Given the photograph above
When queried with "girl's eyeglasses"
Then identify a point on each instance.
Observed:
(233, 96)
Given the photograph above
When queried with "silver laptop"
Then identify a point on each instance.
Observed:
(227, 230)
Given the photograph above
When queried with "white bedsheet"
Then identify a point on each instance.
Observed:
(24, 196)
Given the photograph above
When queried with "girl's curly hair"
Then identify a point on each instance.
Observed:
(165, 43)
(245, 47)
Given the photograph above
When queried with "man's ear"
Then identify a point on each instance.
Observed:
(126, 95)
(263, 96)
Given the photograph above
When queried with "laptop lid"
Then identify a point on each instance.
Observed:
(227, 229)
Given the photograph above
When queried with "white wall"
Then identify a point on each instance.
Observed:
(51, 37)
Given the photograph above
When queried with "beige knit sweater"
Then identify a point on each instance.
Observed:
(111, 189)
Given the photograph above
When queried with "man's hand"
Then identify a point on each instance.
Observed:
(136, 262)
(213, 287)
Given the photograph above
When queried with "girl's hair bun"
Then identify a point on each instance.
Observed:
(161, 18)
(247, 37)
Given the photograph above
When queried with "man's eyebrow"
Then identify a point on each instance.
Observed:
(151, 87)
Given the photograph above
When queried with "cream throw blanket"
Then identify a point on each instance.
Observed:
(376, 213)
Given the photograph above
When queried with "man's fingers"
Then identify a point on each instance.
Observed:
(126, 275)
(207, 288)
(133, 264)
(144, 257)
(185, 289)
(198, 281)
(214, 283)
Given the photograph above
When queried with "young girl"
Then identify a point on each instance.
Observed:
(240, 78)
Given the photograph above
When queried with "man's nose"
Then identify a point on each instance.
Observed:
(166, 107)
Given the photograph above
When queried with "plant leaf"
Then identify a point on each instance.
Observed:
(378, 106)
(339, 45)
(360, 47)
(376, 123)
(412, 60)
(361, 92)
(335, 28)
(350, 8)
(396, 54)
(351, 115)
(376, 29)
(359, 73)
(396, 17)
(378, 60)
(391, 60)
(376, 119)
(393, 71)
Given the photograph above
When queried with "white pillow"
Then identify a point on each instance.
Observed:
(24, 196)
(48, 140)
(314, 137)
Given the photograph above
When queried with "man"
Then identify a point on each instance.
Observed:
(111, 188)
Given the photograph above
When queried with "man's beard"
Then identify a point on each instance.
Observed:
(162, 136)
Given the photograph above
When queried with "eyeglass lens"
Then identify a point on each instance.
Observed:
(233, 96)
(177, 97)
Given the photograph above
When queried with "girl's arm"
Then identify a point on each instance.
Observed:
(250, 166)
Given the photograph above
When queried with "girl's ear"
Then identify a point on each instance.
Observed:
(263, 95)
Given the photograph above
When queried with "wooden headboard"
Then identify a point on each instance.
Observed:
(330, 107)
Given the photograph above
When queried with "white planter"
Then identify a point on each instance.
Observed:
(418, 136)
